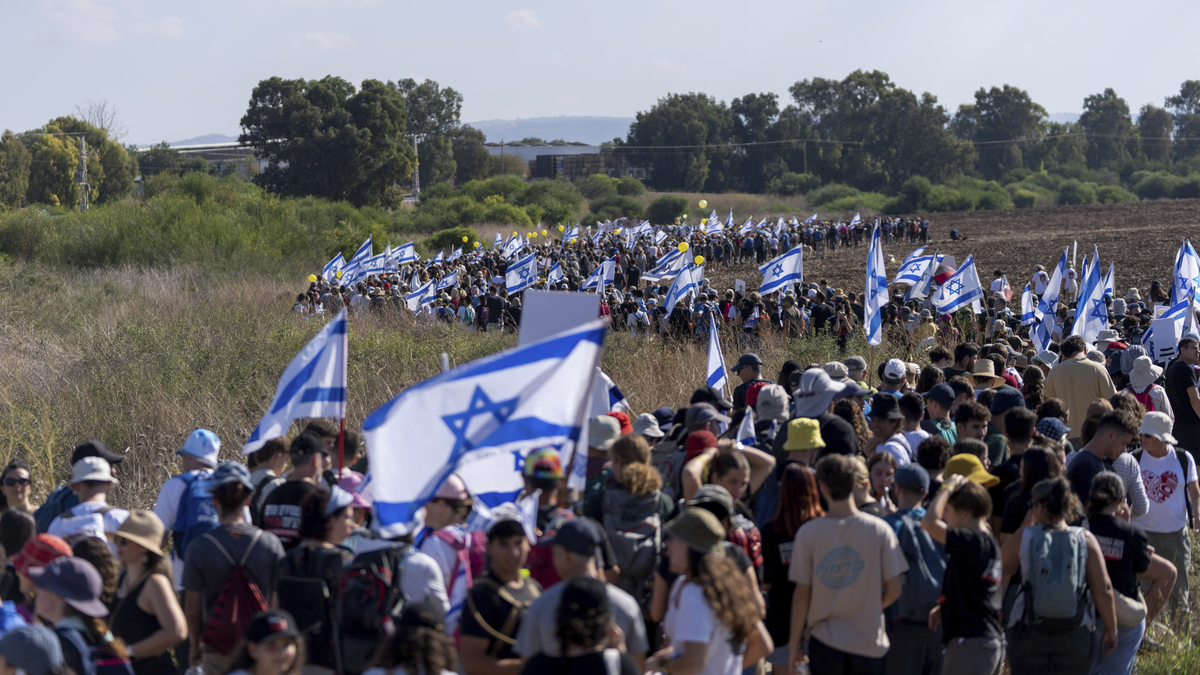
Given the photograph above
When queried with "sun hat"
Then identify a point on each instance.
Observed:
(33, 650)
(92, 469)
(202, 445)
(703, 413)
(1095, 356)
(75, 580)
(39, 551)
(803, 433)
(1053, 428)
(1134, 295)
(1158, 425)
(544, 464)
(666, 417)
(698, 441)
(1046, 357)
(985, 368)
(970, 466)
(1144, 372)
(646, 424)
(351, 481)
(711, 395)
(603, 431)
(270, 625)
(452, 488)
(816, 391)
(340, 499)
(231, 472)
(837, 371)
(1130, 356)
(894, 369)
(142, 528)
(700, 530)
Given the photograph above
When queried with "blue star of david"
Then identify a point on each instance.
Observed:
(778, 270)
(480, 404)
(913, 267)
(524, 272)
(1098, 310)
(955, 286)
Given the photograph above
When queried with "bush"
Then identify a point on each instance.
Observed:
(1114, 194)
(914, 195)
(823, 196)
(666, 208)
(870, 201)
(450, 239)
(496, 210)
(596, 186)
(1154, 185)
(556, 201)
(506, 185)
(1187, 188)
(791, 183)
(1074, 191)
(616, 206)
(1024, 199)
(629, 186)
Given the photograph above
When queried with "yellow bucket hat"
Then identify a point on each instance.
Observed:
(803, 434)
(969, 466)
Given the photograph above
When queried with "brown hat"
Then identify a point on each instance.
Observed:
(985, 368)
(700, 530)
(142, 528)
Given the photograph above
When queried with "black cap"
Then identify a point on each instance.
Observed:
(583, 597)
(886, 407)
(271, 625)
(749, 359)
(423, 615)
(307, 443)
(95, 449)
(711, 395)
(578, 535)
(941, 393)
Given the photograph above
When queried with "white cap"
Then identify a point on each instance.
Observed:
(202, 445)
(92, 469)
(895, 369)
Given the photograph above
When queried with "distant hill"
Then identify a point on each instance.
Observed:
(1064, 118)
(206, 139)
(590, 130)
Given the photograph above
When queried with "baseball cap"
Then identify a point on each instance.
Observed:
(270, 625)
(544, 463)
(713, 494)
(941, 393)
(856, 364)
(95, 449)
(34, 650)
(749, 359)
(1052, 427)
(307, 443)
(231, 472)
(578, 535)
(338, 500)
(894, 369)
(1005, 400)
(603, 431)
(39, 551)
(76, 580)
(202, 445)
(585, 598)
(352, 481)
(913, 478)
(647, 425)
(713, 396)
(92, 469)
(665, 416)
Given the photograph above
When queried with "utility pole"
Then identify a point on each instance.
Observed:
(804, 144)
(81, 175)
(416, 168)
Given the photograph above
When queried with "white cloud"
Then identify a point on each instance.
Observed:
(171, 27)
(665, 66)
(523, 18)
(321, 41)
(82, 21)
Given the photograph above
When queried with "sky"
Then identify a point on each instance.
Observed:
(176, 70)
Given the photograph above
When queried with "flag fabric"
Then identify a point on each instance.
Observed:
(1186, 281)
(856, 220)
(877, 289)
(752, 322)
(1108, 280)
(499, 241)
(683, 285)
(555, 275)
(716, 374)
(333, 267)
(782, 271)
(1005, 289)
(811, 219)
(572, 233)
(659, 237)
(602, 276)
(521, 274)
(1028, 307)
(923, 286)
(455, 254)
(365, 251)
(912, 269)
(917, 252)
(448, 281)
(745, 432)
(668, 266)
(747, 226)
(960, 290)
(612, 399)
(511, 247)
(1091, 316)
(421, 296)
(313, 385)
(1054, 288)
(1178, 312)
(480, 420)
(406, 254)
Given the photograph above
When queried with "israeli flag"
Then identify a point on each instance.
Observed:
(1186, 282)
(659, 237)
(333, 267)
(448, 281)
(752, 322)
(1178, 312)
(683, 286)
(959, 290)
(406, 254)
(313, 385)
(1028, 307)
(715, 376)
(555, 275)
(499, 241)
(714, 226)
(480, 420)
(422, 296)
(455, 254)
(512, 247)
(440, 257)
(915, 254)
(924, 285)
(521, 274)
(365, 251)
(1091, 315)
(598, 237)
(745, 432)
(1054, 288)
(747, 226)
(856, 220)
(785, 270)
(913, 270)
(600, 277)
(668, 266)
(606, 397)
(877, 289)
(572, 233)
(1108, 280)
(811, 219)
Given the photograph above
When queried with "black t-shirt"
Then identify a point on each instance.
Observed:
(837, 433)
(1126, 551)
(777, 558)
(739, 393)
(821, 315)
(495, 308)
(1016, 507)
(1180, 377)
(281, 512)
(1081, 472)
(588, 664)
(971, 594)
(1009, 472)
(495, 607)
(875, 509)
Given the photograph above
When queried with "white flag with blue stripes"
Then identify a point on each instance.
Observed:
(1028, 307)
(572, 233)
(783, 271)
(480, 420)
(811, 219)
(333, 267)
(455, 254)
(911, 271)
(602, 276)
(683, 286)
(716, 376)
(555, 275)
(745, 432)
(1046, 305)
(876, 296)
(659, 237)
(668, 266)
(406, 254)
(448, 281)
(746, 226)
(313, 385)
(856, 220)
(521, 274)
(1178, 312)
(960, 290)
(365, 251)
(498, 242)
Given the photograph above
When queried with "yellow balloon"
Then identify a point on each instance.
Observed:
(561, 228)
(476, 244)
(464, 240)
(699, 260)
(704, 203)
(514, 234)
(543, 233)
(533, 235)
(572, 241)
(685, 216)
(312, 277)
(683, 247)
(339, 273)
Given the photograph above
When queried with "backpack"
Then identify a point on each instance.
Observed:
(369, 600)
(1055, 584)
(60, 501)
(303, 590)
(98, 660)
(1179, 457)
(239, 600)
(468, 316)
(634, 528)
(471, 550)
(1144, 398)
(921, 586)
(505, 635)
(541, 559)
(196, 515)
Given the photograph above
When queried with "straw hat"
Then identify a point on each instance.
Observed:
(985, 368)
(1144, 372)
(142, 528)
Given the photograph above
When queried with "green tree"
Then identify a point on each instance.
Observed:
(158, 158)
(909, 138)
(110, 168)
(1154, 129)
(433, 115)
(596, 186)
(666, 208)
(53, 162)
(507, 165)
(470, 154)
(1185, 112)
(14, 170)
(327, 139)
(558, 200)
(120, 168)
(1109, 128)
(436, 157)
(693, 121)
(754, 115)
(1004, 123)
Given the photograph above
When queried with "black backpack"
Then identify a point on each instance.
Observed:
(305, 590)
(369, 602)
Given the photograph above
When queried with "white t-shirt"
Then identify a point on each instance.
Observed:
(85, 519)
(914, 439)
(690, 619)
(1165, 491)
(897, 446)
(167, 510)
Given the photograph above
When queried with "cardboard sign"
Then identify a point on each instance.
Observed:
(546, 313)
(739, 285)
(1166, 339)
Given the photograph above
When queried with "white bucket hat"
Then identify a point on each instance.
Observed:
(1144, 372)
(92, 469)
(1158, 425)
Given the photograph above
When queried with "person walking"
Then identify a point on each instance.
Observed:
(1078, 381)
(1181, 392)
(273, 646)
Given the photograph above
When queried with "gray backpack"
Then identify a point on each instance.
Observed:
(634, 528)
(1056, 579)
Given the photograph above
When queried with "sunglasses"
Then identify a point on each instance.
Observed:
(9, 482)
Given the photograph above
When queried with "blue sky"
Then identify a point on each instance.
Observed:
(180, 69)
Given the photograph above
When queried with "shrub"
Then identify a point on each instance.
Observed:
(1114, 194)
(616, 206)
(871, 201)
(823, 196)
(496, 210)
(791, 183)
(555, 201)
(451, 239)
(596, 186)
(1154, 186)
(1074, 191)
(666, 208)
(1187, 188)
(1024, 199)
(506, 185)
(630, 187)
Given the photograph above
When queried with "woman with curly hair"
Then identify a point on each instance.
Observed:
(273, 646)
(419, 646)
(585, 631)
(930, 377)
(1034, 390)
(712, 624)
(852, 413)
